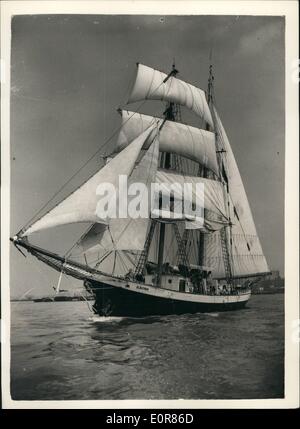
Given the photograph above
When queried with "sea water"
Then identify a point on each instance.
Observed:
(61, 351)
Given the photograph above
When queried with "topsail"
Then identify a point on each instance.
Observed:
(192, 143)
(150, 85)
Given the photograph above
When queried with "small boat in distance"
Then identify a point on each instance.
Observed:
(44, 299)
(65, 295)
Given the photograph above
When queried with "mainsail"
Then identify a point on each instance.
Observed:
(151, 84)
(177, 138)
(81, 205)
(247, 257)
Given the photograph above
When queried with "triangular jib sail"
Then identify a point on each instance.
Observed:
(81, 205)
(128, 233)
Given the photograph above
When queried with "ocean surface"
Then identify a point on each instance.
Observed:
(62, 351)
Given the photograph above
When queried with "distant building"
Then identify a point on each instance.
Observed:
(274, 275)
(272, 283)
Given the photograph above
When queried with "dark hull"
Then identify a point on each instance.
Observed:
(113, 301)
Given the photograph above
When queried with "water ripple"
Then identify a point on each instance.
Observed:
(62, 352)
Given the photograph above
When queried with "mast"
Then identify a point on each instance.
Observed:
(226, 241)
(204, 170)
(169, 115)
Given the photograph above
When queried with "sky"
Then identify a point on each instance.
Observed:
(69, 74)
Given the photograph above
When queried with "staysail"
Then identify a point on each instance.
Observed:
(149, 84)
(246, 252)
(184, 140)
(81, 205)
(126, 233)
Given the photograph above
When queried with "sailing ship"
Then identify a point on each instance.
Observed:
(168, 262)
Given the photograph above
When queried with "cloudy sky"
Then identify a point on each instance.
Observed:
(70, 72)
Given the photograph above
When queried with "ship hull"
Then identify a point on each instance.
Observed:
(115, 301)
(118, 296)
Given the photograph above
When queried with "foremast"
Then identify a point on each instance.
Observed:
(171, 113)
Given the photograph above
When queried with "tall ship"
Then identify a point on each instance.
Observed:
(174, 259)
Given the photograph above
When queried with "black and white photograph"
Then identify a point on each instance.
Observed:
(146, 163)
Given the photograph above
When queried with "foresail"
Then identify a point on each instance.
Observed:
(126, 233)
(246, 251)
(149, 84)
(184, 140)
(81, 205)
(209, 195)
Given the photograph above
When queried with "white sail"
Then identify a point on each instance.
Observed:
(210, 195)
(81, 205)
(246, 251)
(91, 238)
(126, 233)
(192, 143)
(149, 84)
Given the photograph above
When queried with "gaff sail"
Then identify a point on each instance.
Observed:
(245, 249)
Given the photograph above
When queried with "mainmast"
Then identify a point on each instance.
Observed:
(226, 242)
(204, 172)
